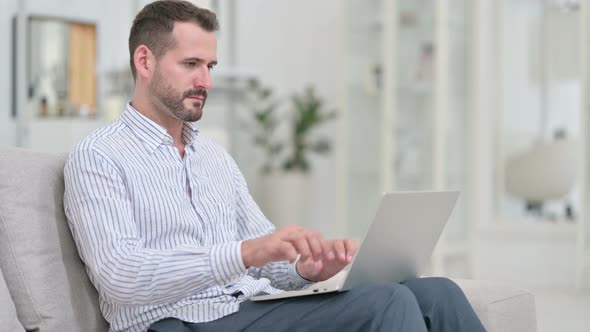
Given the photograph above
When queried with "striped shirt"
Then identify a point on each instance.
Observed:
(161, 234)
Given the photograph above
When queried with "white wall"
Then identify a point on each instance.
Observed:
(289, 44)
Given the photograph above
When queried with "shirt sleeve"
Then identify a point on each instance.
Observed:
(99, 213)
(253, 224)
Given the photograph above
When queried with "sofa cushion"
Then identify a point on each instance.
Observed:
(8, 317)
(43, 272)
(501, 308)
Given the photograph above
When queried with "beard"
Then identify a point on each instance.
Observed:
(173, 100)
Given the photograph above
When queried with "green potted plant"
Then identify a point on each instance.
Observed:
(263, 121)
(308, 113)
(289, 152)
(287, 136)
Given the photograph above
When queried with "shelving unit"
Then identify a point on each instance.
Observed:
(440, 132)
(411, 136)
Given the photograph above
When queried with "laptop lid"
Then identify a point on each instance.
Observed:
(401, 238)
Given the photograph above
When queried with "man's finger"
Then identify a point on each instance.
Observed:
(314, 242)
(339, 250)
(302, 247)
(351, 248)
(328, 249)
(288, 251)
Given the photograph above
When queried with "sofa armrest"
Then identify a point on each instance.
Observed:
(501, 308)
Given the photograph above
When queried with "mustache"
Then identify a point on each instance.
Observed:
(196, 93)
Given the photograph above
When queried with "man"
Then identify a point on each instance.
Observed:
(170, 235)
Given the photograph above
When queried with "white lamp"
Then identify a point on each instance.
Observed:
(544, 172)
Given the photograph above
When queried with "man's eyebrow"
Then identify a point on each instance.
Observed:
(212, 63)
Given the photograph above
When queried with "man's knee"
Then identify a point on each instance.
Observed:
(392, 307)
(388, 295)
(430, 291)
(442, 287)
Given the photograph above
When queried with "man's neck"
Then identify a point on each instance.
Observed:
(172, 125)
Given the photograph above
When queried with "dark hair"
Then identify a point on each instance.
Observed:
(153, 25)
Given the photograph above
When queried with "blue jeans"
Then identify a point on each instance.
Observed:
(424, 304)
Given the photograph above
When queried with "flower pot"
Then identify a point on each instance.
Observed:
(282, 197)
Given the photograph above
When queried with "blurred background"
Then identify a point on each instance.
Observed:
(327, 104)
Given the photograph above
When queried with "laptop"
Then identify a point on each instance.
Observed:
(396, 247)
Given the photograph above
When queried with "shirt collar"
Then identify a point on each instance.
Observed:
(152, 134)
(189, 133)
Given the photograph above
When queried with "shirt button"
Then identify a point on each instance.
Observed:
(166, 140)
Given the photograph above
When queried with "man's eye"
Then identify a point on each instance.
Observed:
(210, 67)
(190, 64)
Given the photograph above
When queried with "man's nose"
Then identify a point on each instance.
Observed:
(203, 79)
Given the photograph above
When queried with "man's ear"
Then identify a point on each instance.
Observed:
(144, 61)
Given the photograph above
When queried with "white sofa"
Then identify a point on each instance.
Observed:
(43, 285)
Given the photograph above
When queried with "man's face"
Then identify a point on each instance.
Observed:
(181, 78)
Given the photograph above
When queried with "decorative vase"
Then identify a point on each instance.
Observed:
(282, 197)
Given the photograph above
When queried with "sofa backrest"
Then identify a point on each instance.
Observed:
(43, 272)
(8, 317)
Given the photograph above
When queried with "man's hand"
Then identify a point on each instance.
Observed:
(320, 259)
(283, 245)
(336, 255)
